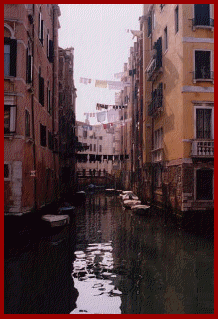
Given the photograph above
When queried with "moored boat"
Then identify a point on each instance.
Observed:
(140, 209)
(129, 203)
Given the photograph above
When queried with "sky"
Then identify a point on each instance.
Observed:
(97, 32)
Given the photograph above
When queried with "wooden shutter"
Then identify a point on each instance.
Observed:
(13, 57)
(51, 51)
(202, 14)
(149, 26)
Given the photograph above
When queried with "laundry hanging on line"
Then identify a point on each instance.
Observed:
(101, 116)
(85, 80)
(101, 84)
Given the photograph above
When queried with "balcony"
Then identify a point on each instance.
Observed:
(202, 148)
(157, 155)
(155, 106)
(205, 23)
(203, 76)
(154, 68)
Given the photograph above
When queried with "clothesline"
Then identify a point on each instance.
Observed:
(111, 85)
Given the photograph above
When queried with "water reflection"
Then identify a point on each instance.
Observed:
(94, 278)
(130, 264)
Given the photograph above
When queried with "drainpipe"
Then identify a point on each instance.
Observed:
(33, 119)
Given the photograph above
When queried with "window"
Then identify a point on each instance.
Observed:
(165, 39)
(41, 88)
(177, 19)
(203, 65)
(7, 50)
(90, 147)
(47, 43)
(157, 176)
(27, 123)
(100, 148)
(9, 119)
(29, 67)
(85, 134)
(94, 147)
(100, 137)
(203, 123)
(204, 184)
(153, 20)
(50, 141)
(41, 27)
(43, 139)
(49, 99)
(202, 15)
(7, 171)
(51, 51)
(10, 56)
(158, 138)
(50, 48)
(156, 100)
(149, 26)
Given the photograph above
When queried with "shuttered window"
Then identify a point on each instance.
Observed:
(41, 89)
(149, 26)
(202, 64)
(202, 14)
(29, 66)
(177, 19)
(43, 139)
(27, 123)
(10, 57)
(204, 184)
(9, 119)
(51, 51)
(203, 123)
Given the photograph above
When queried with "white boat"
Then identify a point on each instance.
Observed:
(130, 197)
(127, 192)
(56, 220)
(129, 203)
(110, 190)
(140, 209)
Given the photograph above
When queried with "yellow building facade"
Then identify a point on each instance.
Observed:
(178, 99)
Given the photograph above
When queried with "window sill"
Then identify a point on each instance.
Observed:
(203, 27)
(157, 149)
(9, 77)
(203, 80)
(9, 136)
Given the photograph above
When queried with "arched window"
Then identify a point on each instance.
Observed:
(10, 52)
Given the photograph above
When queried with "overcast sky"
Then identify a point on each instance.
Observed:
(97, 32)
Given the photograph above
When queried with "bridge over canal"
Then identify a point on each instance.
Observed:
(96, 177)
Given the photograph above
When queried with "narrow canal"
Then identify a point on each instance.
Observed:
(110, 261)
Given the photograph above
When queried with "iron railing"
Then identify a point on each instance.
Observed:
(203, 75)
(203, 22)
